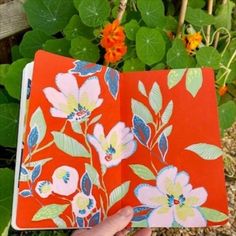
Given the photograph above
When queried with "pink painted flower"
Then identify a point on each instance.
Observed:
(173, 200)
(119, 144)
(72, 102)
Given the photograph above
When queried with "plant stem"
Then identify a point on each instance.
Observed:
(208, 32)
(183, 9)
(121, 10)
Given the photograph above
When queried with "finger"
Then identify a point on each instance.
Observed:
(81, 232)
(114, 223)
(144, 232)
(122, 232)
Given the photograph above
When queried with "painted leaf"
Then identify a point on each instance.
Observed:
(23, 170)
(37, 120)
(141, 130)
(33, 137)
(118, 193)
(49, 212)
(95, 219)
(141, 88)
(36, 172)
(143, 172)
(176, 225)
(205, 151)
(139, 218)
(86, 184)
(167, 113)
(60, 223)
(167, 131)
(141, 110)
(76, 127)
(69, 145)
(194, 80)
(112, 79)
(25, 174)
(139, 209)
(84, 68)
(39, 162)
(212, 214)
(163, 146)
(26, 193)
(95, 119)
(93, 174)
(174, 77)
(142, 224)
(80, 222)
(155, 98)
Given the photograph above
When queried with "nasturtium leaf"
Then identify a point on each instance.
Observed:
(174, 77)
(49, 16)
(58, 46)
(133, 64)
(69, 145)
(141, 110)
(155, 98)
(212, 214)
(15, 53)
(227, 115)
(6, 193)
(223, 16)
(208, 57)
(13, 77)
(198, 17)
(31, 42)
(194, 80)
(150, 45)
(3, 71)
(141, 88)
(118, 193)
(76, 27)
(84, 49)
(166, 115)
(143, 172)
(205, 151)
(49, 212)
(93, 13)
(167, 23)
(4, 97)
(8, 124)
(151, 11)
(159, 66)
(131, 29)
(93, 174)
(196, 4)
(177, 56)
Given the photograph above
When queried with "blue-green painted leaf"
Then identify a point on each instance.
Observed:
(93, 174)
(205, 151)
(60, 223)
(26, 193)
(212, 214)
(174, 77)
(143, 172)
(142, 224)
(155, 98)
(194, 80)
(167, 113)
(141, 88)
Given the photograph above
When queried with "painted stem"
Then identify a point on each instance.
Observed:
(106, 195)
(182, 17)
(208, 32)
(87, 143)
(121, 10)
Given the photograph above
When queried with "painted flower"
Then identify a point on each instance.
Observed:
(119, 144)
(65, 180)
(72, 102)
(172, 200)
(82, 204)
(44, 188)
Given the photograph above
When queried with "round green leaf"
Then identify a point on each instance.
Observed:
(177, 56)
(159, 66)
(143, 172)
(196, 4)
(3, 71)
(8, 124)
(83, 49)
(212, 214)
(14, 76)
(208, 57)
(93, 12)
(167, 23)
(15, 53)
(4, 97)
(75, 27)
(49, 16)
(151, 11)
(131, 29)
(58, 46)
(31, 42)
(150, 45)
(133, 64)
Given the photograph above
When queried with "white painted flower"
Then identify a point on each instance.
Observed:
(43, 188)
(65, 180)
(72, 102)
(82, 204)
(119, 144)
(173, 200)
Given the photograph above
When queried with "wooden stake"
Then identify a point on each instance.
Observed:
(208, 33)
(182, 14)
(121, 10)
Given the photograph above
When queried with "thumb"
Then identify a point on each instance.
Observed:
(114, 223)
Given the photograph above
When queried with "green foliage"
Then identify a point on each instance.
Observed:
(58, 46)
(3, 71)
(131, 29)
(133, 64)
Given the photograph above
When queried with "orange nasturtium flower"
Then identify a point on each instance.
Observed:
(192, 41)
(223, 90)
(113, 40)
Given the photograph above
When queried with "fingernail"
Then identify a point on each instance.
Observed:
(126, 211)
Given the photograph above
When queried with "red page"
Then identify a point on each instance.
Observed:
(97, 140)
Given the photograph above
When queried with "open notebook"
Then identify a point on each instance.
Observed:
(92, 140)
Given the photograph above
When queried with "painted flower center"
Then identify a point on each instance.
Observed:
(175, 201)
(64, 175)
(109, 152)
(79, 114)
(44, 187)
(82, 202)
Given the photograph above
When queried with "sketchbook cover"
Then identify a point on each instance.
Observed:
(92, 140)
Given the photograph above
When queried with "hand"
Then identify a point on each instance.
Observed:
(114, 225)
